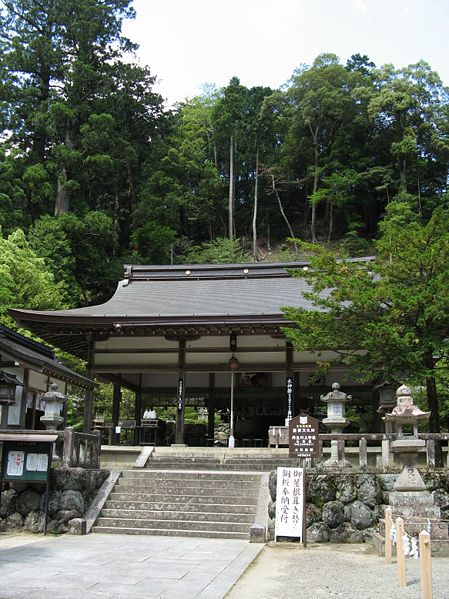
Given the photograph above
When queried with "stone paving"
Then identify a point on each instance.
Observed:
(120, 566)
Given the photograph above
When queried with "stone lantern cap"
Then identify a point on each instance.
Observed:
(336, 395)
(405, 411)
(335, 400)
(54, 395)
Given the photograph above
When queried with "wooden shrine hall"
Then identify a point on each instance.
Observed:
(199, 335)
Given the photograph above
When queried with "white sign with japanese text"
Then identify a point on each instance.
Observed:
(37, 462)
(15, 463)
(290, 502)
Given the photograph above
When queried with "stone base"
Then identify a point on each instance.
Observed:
(439, 547)
(413, 504)
(413, 526)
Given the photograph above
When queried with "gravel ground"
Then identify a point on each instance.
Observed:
(288, 571)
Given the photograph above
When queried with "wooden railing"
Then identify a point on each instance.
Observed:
(364, 444)
(80, 449)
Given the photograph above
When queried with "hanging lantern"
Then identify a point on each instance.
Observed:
(233, 363)
(8, 384)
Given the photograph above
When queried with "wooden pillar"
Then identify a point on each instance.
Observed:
(181, 394)
(24, 398)
(290, 380)
(138, 412)
(116, 399)
(4, 418)
(211, 407)
(89, 397)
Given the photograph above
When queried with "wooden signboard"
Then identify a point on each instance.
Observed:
(304, 437)
(290, 503)
(27, 461)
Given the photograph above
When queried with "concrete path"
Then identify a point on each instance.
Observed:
(120, 566)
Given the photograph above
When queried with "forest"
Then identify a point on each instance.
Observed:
(96, 171)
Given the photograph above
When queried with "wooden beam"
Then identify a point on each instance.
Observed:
(250, 367)
(190, 350)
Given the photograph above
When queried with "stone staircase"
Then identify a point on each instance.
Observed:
(175, 502)
(223, 459)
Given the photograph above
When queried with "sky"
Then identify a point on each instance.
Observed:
(190, 43)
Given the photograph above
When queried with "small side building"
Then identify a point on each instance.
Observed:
(27, 369)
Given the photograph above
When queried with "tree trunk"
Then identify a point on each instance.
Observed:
(403, 175)
(432, 402)
(330, 215)
(62, 202)
(284, 216)
(256, 201)
(316, 180)
(231, 189)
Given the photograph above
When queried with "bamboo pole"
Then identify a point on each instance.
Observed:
(388, 523)
(402, 579)
(426, 564)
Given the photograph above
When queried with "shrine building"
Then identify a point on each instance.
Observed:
(208, 336)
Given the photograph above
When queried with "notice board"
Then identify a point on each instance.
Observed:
(26, 461)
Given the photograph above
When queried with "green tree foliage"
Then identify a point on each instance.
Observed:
(387, 318)
(82, 254)
(221, 250)
(25, 280)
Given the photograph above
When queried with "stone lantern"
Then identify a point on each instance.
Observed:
(54, 402)
(335, 420)
(407, 444)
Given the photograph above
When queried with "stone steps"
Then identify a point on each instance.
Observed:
(187, 515)
(190, 505)
(212, 534)
(191, 485)
(184, 498)
(253, 465)
(181, 503)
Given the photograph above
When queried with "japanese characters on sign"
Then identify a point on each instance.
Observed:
(290, 502)
(25, 460)
(180, 393)
(15, 463)
(304, 437)
(289, 387)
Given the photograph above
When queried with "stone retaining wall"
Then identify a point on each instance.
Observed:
(345, 507)
(72, 490)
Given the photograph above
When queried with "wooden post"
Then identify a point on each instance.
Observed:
(211, 407)
(430, 451)
(67, 451)
(181, 394)
(385, 453)
(138, 413)
(363, 453)
(289, 380)
(426, 564)
(89, 396)
(388, 544)
(116, 400)
(447, 457)
(341, 452)
(24, 399)
(400, 552)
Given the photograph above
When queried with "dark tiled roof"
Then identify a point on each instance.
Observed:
(219, 291)
(37, 356)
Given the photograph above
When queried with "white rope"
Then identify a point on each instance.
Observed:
(410, 543)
